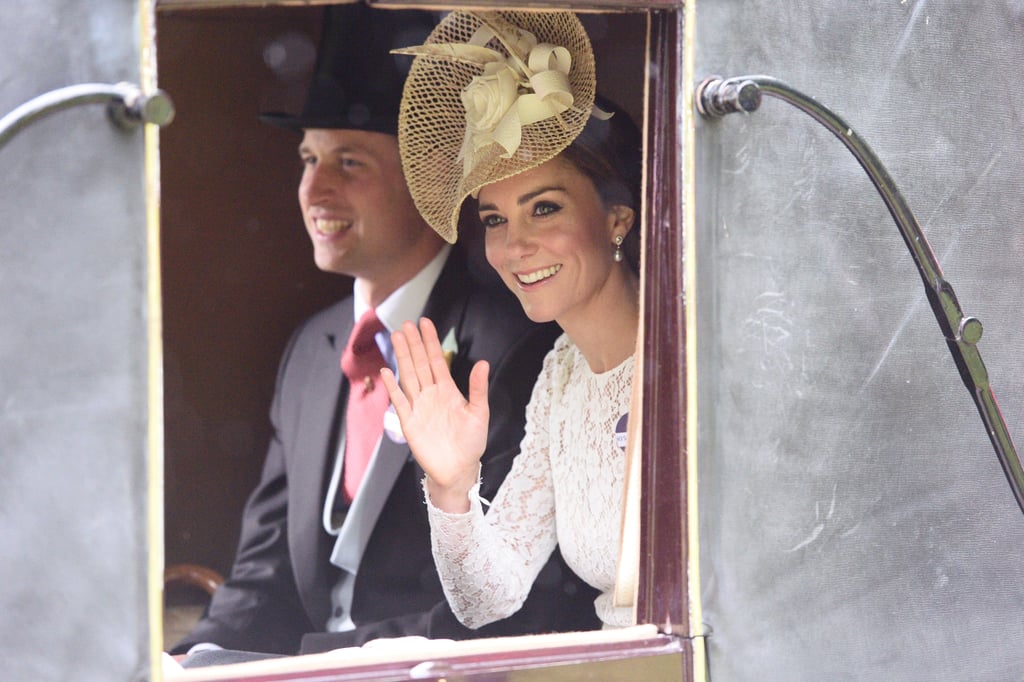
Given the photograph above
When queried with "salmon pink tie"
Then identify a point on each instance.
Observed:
(367, 399)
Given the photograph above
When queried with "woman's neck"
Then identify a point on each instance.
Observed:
(605, 332)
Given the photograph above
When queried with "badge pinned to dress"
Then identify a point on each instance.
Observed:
(621, 427)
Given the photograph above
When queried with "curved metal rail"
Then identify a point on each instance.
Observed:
(716, 97)
(127, 106)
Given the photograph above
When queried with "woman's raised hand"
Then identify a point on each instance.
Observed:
(446, 433)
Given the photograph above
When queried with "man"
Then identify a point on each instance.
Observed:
(335, 550)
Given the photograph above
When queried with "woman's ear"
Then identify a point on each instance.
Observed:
(620, 220)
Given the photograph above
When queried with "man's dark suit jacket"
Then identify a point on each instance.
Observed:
(279, 589)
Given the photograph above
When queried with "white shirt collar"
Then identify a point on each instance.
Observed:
(407, 301)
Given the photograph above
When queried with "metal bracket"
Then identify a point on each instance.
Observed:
(716, 97)
(127, 106)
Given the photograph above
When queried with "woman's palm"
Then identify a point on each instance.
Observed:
(446, 432)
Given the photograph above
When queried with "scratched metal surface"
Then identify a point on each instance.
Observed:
(855, 522)
(72, 355)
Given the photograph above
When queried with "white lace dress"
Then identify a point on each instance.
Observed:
(565, 487)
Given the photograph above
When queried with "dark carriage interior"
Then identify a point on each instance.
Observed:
(237, 269)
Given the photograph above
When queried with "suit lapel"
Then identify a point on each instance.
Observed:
(446, 307)
(447, 302)
(315, 440)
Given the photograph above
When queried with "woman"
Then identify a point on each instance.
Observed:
(556, 216)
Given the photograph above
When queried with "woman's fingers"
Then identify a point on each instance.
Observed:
(418, 354)
(419, 357)
(478, 390)
(439, 369)
(404, 360)
(398, 399)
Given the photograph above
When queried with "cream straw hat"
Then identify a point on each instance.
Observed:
(490, 95)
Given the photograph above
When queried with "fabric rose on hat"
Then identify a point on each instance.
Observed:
(491, 115)
(513, 92)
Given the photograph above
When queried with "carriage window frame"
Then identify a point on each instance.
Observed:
(666, 511)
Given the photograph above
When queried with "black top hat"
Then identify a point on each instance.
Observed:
(357, 83)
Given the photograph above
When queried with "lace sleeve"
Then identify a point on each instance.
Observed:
(488, 563)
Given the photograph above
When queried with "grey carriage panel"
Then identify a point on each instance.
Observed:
(855, 522)
(73, 400)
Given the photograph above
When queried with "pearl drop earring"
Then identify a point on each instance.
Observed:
(618, 249)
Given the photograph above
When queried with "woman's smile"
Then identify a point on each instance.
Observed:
(535, 276)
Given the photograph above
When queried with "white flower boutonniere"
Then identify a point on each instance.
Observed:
(450, 347)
